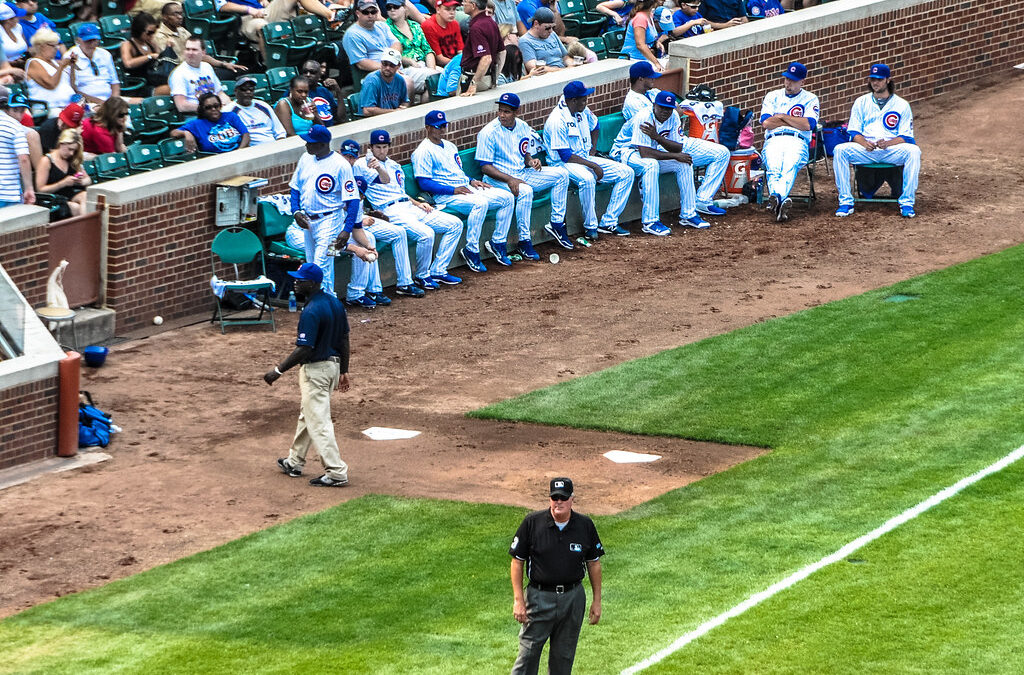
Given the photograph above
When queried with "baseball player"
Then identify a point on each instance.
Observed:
(325, 202)
(438, 170)
(571, 132)
(882, 128)
(385, 190)
(503, 149)
(789, 117)
(642, 89)
(364, 283)
(651, 143)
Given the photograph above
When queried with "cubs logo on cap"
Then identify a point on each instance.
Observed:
(665, 99)
(509, 99)
(796, 71)
(350, 148)
(379, 136)
(88, 31)
(879, 71)
(435, 118)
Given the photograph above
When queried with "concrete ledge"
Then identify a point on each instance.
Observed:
(26, 472)
(789, 25)
(22, 217)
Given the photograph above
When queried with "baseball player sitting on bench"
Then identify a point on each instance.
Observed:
(385, 190)
(571, 133)
(503, 150)
(882, 131)
(789, 117)
(438, 171)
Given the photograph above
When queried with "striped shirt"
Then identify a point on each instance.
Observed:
(324, 185)
(12, 144)
(505, 148)
(377, 193)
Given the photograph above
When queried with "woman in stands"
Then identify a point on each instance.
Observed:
(104, 131)
(60, 171)
(296, 112)
(12, 36)
(140, 55)
(47, 78)
(617, 11)
(642, 34)
(213, 131)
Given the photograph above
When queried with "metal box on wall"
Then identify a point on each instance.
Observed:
(235, 203)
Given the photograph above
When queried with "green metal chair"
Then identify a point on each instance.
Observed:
(130, 85)
(279, 79)
(113, 165)
(219, 25)
(596, 45)
(115, 29)
(144, 130)
(162, 109)
(314, 27)
(352, 106)
(238, 246)
(173, 151)
(271, 226)
(144, 157)
(591, 23)
(283, 48)
(92, 170)
(613, 41)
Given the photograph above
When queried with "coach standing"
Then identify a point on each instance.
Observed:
(322, 350)
(555, 546)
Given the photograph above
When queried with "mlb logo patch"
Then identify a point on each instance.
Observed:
(576, 548)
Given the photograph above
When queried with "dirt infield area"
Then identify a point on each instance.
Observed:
(195, 465)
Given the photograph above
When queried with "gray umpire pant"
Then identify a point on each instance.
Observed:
(557, 616)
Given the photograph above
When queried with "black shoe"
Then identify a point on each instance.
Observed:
(327, 481)
(288, 469)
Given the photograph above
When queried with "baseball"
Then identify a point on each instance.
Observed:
(370, 257)
(553, 258)
(157, 320)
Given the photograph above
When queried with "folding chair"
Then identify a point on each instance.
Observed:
(238, 246)
(858, 192)
(816, 154)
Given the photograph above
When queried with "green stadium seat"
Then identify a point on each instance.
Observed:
(590, 24)
(613, 41)
(278, 79)
(92, 170)
(162, 109)
(596, 45)
(283, 48)
(352, 107)
(144, 130)
(219, 25)
(113, 165)
(144, 157)
(173, 151)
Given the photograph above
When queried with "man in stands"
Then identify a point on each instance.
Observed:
(194, 77)
(15, 167)
(258, 116)
(93, 75)
(443, 33)
(723, 13)
(33, 20)
(484, 53)
(541, 48)
(367, 39)
(384, 90)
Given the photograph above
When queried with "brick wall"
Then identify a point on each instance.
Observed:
(931, 47)
(28, 422)
(25, 256)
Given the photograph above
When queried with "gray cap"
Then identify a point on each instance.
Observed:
(543, 15)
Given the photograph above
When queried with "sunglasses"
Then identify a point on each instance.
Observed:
(559, 498)
(92, 64)
(368, 12)
(123, 114)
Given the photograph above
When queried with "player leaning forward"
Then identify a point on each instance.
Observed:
(882, 128)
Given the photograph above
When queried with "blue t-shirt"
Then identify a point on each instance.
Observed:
(325, 104)
(323, 326)
(30, 28)
(360, 43)
(223, 135)
(526, 9)
(681, 19)
(764, 8)
(380, 94)
(721, 11)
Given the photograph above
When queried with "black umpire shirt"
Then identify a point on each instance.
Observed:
(556, 556)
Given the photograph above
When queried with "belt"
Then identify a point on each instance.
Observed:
(787, 132)
(336, 359)
(397, 201)
(555, 588)
(318, 216)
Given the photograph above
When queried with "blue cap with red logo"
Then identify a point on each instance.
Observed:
(796, 71)
(435, 118)
(665, 99)
(378, 136)
(317, 133)
(350, 148)
(509, 99)
(309, 272)
(879, 71)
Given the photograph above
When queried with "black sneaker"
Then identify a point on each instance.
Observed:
(287, 468)
(327, 481)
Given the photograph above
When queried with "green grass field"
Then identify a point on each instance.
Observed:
(869, 407)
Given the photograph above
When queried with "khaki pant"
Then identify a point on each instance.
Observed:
(315, 428)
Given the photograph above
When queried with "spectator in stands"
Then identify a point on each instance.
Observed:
(259, 118)
(8, 73)
(617, 11)
(152, 7)
(723, 13)
(17, 108)
(484, 54)
(295, 111)
(93, 75)
(324, 95)
(213, 131)
(642, 34)
(15, 166)
(33, 21)
(790, 5)
(507, 18)
(46, 78)
(384, 90)
(194, 77)
(366, 40)
(140, 54)
(682, 23)
(443, 33)
(542, 50)
(60, 171)
(762, 9)
(12, 36)
(417, 55)
(253, 19)
(104, 131)
(50, 130)
(171, 32)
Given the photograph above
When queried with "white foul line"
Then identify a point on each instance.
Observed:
(842, 553)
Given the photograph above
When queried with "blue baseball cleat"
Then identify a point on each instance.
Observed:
(560, 235)
(710, 209)
(426, 283)
(364, 301)
(447, 279)
(499, 253)
(590, 234)
(907, 212)
(527, 250)
(844, 210)
(657, 229)
(410, 291)
(379, 298)
(695, 221)
(472, 259)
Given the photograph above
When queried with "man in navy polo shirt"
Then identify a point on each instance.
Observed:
(555, 547)
(321, 352)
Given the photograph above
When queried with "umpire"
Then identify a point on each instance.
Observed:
(322, 350)
(556, 546)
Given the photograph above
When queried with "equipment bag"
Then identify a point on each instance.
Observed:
(733, 121)
(834, 133)
(93, 424)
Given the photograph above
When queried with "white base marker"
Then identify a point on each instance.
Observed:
(842, 553)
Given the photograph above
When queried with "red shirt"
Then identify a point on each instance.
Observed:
(484, 38)
(96, 139)
(445, 41)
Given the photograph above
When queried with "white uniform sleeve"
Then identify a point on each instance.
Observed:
(906, 129)
(813, 109)
(485, 150)
(856, 124)
(555, 133)
(422, 163)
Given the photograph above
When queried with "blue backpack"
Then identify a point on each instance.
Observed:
(93, 425)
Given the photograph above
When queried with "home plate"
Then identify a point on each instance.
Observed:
(386, 434)
(1019, 66)
(626, 457)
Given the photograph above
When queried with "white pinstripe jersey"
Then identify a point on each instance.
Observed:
(891, 120)
(804, 104)
(505, 148)
(378, 193)
(636, 103)
(325, 184)
(565, 131)
(439, 162)
(669, 129)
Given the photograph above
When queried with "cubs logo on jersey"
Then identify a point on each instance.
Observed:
(323, 109)
(891, 121)
(325, 183)
(458, 160)
(350, 186)
(524, 146)
(400, 177)
(796, 111)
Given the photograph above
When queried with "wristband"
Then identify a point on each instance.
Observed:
(277, 371)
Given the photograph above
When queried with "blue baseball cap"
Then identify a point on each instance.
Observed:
(317, 133)
(511, 100)
(350, 148)
(796, 71)
(17, 100)
(643, 69)
(88, 31)
(665, 99)
(436, 119)
(379, 136)
(576, 89)
(879, 71)
(309, 272)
